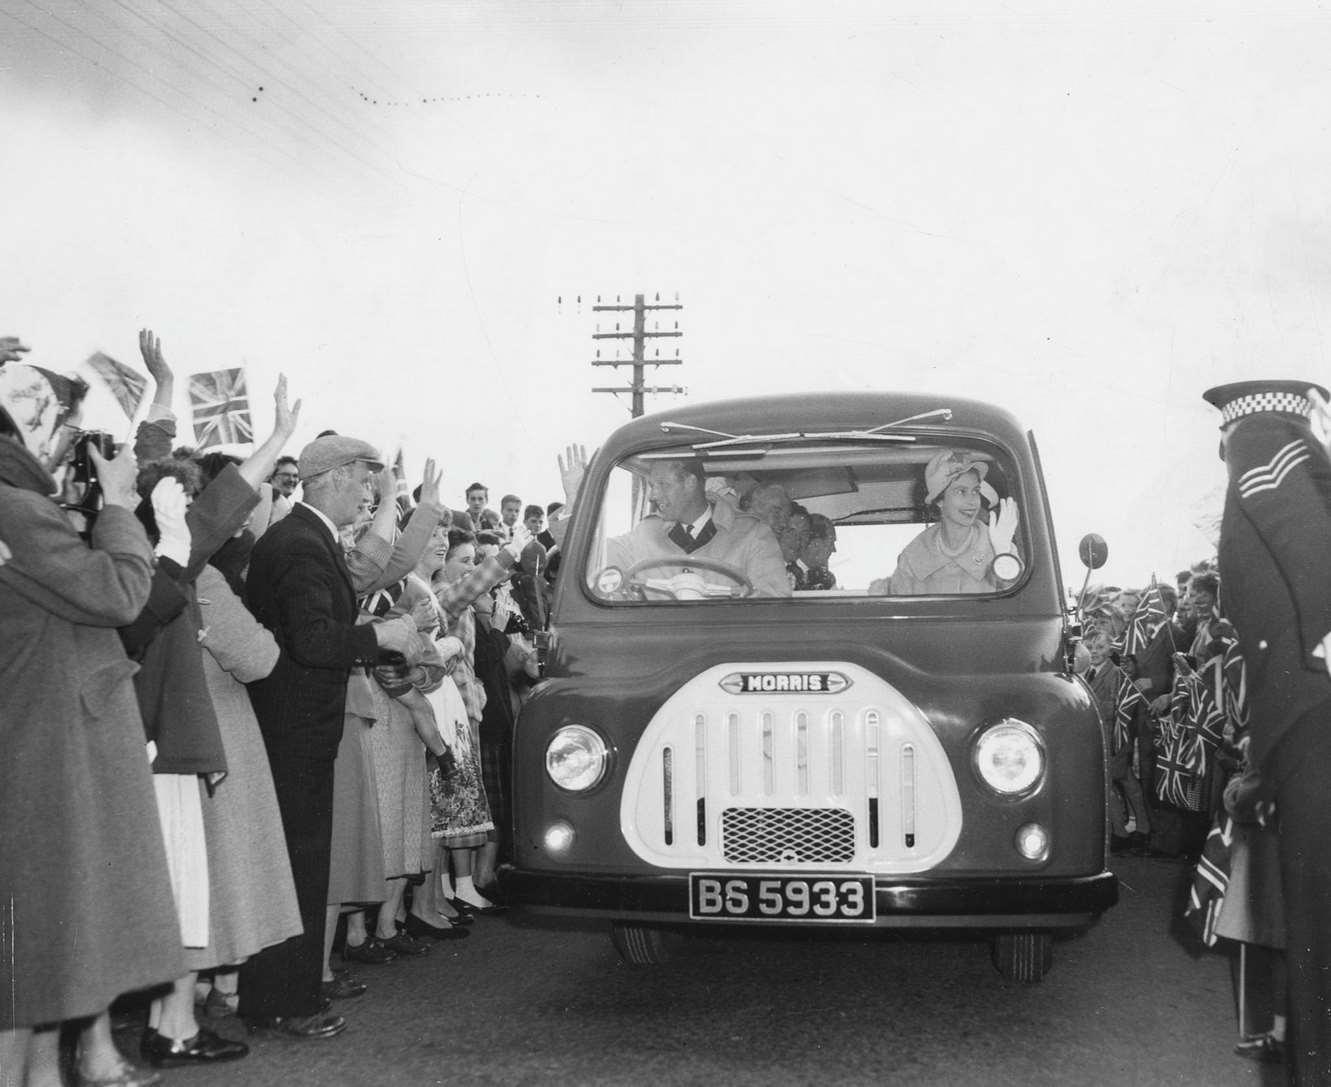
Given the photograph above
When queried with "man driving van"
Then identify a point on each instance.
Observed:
(687, 524)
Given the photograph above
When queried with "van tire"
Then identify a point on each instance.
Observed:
(1023, 956)
(642, 945)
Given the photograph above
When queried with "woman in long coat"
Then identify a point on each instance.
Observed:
(76, 793)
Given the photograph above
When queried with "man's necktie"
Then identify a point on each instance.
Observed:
(682, 536)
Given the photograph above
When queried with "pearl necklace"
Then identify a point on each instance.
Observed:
(948, 552)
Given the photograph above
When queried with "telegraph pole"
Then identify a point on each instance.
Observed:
(640, 335)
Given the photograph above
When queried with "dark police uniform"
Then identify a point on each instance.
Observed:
(1275, 569)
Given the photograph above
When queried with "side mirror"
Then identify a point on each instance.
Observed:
(1093, 550)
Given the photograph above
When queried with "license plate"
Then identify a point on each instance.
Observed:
(728, 897)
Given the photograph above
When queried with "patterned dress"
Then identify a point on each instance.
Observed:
(459, 808)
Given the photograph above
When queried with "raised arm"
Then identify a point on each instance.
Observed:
(263, 460)
(157, 432)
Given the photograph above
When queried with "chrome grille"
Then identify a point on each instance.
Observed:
(787, 835)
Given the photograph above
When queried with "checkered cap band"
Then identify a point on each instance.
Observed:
(1290, 403)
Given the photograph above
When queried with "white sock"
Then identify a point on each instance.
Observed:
(1277, 1030)
(467, 893)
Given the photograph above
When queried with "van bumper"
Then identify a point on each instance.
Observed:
(987, 902)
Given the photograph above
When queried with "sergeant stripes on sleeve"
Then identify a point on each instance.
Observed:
(1269, 476)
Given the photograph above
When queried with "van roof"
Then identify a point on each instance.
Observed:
(817, 412)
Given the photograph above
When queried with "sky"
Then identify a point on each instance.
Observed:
(1085, 213)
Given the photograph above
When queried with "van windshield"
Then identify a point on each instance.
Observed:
(808, 519)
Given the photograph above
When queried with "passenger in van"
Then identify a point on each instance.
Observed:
(817, 553)
(769, 502)
(793, 539)
(686, 523)
(955, 554)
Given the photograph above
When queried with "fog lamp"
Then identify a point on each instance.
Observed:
(1033, 842)
(558, 837)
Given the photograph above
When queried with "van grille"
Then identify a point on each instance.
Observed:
(787, 835)
(851, 780)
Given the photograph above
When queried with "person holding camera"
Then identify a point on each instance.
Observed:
(76, 792)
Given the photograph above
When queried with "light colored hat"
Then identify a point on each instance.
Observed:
(947, 466)
(333, 451)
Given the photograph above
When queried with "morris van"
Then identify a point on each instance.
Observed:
(842, 753)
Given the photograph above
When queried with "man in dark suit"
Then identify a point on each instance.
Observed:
(1277, 591)
(299, 588)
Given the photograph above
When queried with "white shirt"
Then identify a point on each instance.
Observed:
(332, 528)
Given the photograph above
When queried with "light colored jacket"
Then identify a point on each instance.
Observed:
(742, 541)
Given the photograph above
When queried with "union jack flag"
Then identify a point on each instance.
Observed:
(1206, 710)
(126, 385)
(1176, 769)
(221, 408)
(1145, 620)
(1130, 700)
(1180, 755)
(1210, 880)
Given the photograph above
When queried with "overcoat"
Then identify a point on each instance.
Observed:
(300, 589)
(1275, 568)
(88, 905)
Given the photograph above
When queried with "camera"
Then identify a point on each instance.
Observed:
(82, 465)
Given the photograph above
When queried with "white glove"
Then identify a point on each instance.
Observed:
(399, 635)
(169, 506)
(1003, 525)
(521, 538)
(449, 647)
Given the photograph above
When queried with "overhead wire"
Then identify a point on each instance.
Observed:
(193, 119)
(206, 75)
(349, 62)
(358, 45)
(334, 140)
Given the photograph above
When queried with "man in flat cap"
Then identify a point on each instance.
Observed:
(1277, 583)
(300, 589)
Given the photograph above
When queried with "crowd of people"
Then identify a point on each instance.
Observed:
(254, 704)
(1214, 692)
(1166, 670)
(264, 708)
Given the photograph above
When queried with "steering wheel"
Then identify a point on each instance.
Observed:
(737, 576)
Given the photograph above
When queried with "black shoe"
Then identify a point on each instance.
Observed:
(1119, 845)
(298, 1027)
(466, 909)
(204, 1048)
(404, 944)
(371, 952)
(420, 930)
(492, 892)
(343, 987)
(1263, 1048)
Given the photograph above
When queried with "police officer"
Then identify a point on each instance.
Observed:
(1275, 543)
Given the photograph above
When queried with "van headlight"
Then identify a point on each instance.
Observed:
(1009, 757)
(576, 758)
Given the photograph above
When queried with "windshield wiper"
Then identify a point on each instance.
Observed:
(874, 434)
